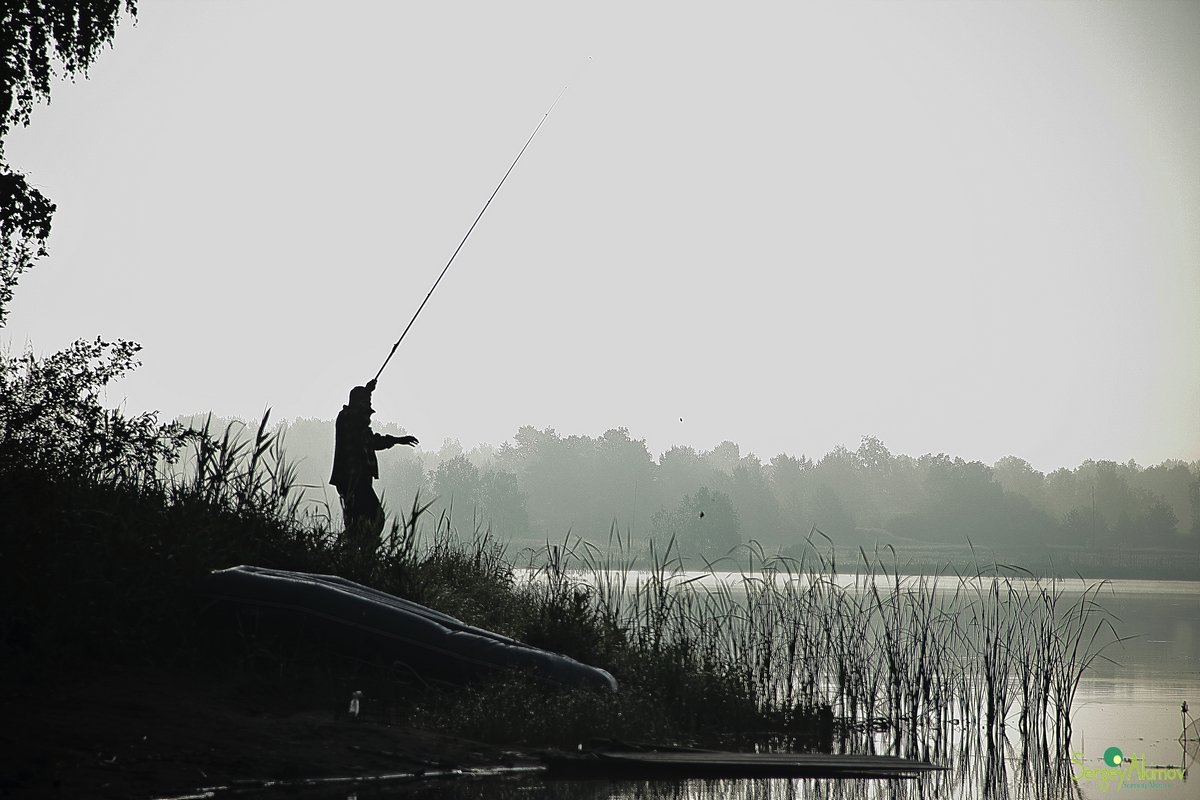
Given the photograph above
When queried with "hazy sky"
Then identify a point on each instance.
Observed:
(960, 227)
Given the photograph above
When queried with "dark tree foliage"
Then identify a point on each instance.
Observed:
(25, 215)
(52, 420)
(35, 37)
(34, 34)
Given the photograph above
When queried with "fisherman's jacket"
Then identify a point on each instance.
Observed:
(354, 449)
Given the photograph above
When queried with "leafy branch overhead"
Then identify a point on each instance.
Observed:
(39, 39)
(25, 215)
(35, 33)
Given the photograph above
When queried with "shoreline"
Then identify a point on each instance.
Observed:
(155, 735)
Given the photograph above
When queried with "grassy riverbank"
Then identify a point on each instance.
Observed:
(99, 602)
(140, 733)
(99, 591)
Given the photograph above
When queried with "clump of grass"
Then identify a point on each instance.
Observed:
(107, 558)
(514, 709)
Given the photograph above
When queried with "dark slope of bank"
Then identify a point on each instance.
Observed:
(146, 734)
(120, 679)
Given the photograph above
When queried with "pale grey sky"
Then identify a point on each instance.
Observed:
(960, 227)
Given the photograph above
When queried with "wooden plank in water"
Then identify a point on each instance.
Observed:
(721, 764)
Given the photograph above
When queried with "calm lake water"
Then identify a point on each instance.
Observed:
(1131, 703)
(1134, 704)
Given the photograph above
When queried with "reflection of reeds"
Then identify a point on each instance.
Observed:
(933, 662)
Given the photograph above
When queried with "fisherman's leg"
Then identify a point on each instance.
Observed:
(347, 509)
(372, 522)
(364, 519)
(352, 516)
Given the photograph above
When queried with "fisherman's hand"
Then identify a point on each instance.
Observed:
(395, 440)
(371, 385)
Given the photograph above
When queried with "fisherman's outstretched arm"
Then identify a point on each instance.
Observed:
(381, 441)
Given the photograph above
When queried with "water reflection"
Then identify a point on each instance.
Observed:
(992, 777)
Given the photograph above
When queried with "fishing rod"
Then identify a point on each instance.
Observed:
(468, 234)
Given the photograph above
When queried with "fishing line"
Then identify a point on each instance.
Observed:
(476, 222)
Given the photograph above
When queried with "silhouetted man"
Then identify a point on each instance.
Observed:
(355, 467)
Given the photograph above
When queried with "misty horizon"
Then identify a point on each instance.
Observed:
(454, 444)
(543, 485)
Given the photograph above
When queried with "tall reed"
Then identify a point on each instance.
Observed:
(913, 665)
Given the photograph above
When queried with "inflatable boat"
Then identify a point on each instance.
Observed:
(374, 624)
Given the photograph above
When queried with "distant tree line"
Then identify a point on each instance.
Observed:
(543, 485)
